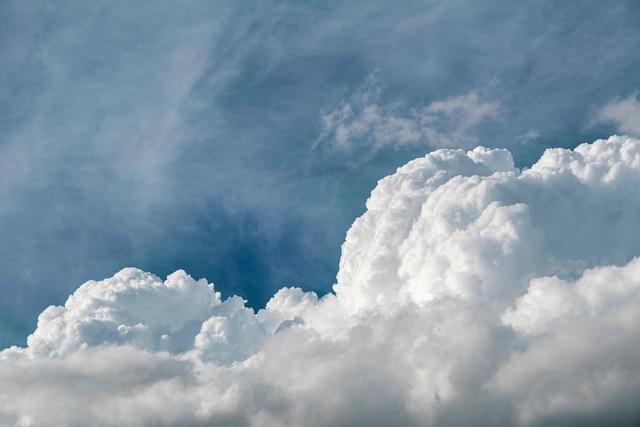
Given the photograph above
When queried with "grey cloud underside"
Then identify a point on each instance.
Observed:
(469, 292)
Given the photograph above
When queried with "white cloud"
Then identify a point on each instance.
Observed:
(363, 122)
(468, 293)
(581, 336)
(530, 136)
(624, 113)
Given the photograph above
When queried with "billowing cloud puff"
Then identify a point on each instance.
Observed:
(469, 293)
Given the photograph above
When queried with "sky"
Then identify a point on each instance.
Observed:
(241, 141)
(196, 134)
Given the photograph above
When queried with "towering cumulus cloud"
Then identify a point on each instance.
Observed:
(469, 293)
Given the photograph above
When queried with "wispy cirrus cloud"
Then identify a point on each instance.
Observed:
(623, 113)
(365, 121)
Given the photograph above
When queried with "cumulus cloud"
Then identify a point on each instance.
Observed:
(364, 122)
(580, 336)
(469, 292)
(623, 113)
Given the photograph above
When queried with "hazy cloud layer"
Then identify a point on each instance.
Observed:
(469, 292)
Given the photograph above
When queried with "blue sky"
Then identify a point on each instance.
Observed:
(192, 134)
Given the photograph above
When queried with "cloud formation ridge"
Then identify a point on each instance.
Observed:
(469, 292)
